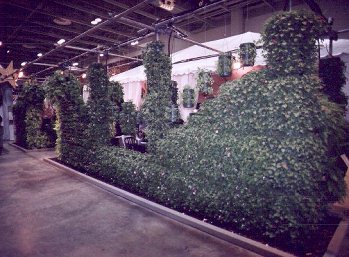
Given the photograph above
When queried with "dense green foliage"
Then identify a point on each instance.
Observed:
(64, 92)
(99, 106)
(264, 150)
(289, 42)
(247, 54)
(332, 74)
(157, 105)
(204, 82)
(116, 95)
(35, 138)
(29, 127)
(259, 158)
(224, 64)
(128, 116)
(188, 97)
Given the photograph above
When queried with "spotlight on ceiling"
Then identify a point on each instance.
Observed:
(62, 21)
(61, 41)
(101, 54)
(134, 43)
(167, 4)
(96, 21)
(23, 63)
(83, 75)
(39, 54)
(75, 64)
(8, 51)
(0, 43)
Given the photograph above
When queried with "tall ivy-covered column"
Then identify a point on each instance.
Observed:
(157, 106)
(64, 92)
(99, 106)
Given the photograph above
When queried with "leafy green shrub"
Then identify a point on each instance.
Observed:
(257, 157)
(332, 74)
(28, 119)
(131, 170)
(204, 82)
(289, 41)
(247, 53)
(64, 92)
(35, 138)
(188, 97)
(116, 95)
(157, 105)
(128, 116)
(99, 107)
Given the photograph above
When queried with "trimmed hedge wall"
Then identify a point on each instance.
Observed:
(31, 132)
(64, 92)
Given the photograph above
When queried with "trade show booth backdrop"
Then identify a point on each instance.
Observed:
(184, 73)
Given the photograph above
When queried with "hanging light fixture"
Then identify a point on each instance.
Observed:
(167, 4)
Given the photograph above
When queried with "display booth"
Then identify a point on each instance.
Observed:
(186, 63)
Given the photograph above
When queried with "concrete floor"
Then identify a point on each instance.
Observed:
(44, 212)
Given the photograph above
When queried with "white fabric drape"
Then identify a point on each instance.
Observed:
(133, 92)
(182, 81)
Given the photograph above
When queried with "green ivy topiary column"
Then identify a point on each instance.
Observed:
(157, 106)
(64, 92)
(99, 106)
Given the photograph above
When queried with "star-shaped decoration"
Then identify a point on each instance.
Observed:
(9, 75)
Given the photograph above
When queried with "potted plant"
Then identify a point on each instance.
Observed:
(247, 54)
(188, 97)
(224, 64)
(204, 82)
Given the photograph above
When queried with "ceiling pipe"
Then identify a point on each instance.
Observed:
(198, 44)
(71, 59)
(128, 42)
(185, 15)
(115, 17)
(45, 64)
(101, 52)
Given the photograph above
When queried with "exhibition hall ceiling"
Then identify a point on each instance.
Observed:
(43, 35)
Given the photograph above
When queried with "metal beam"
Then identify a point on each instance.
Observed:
(198, 44)
(73, 31)
(114, 18)
(77, 20)
(124, 6)
(101, 52)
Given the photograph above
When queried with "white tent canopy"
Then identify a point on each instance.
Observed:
(225, 45)
(185, 73)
